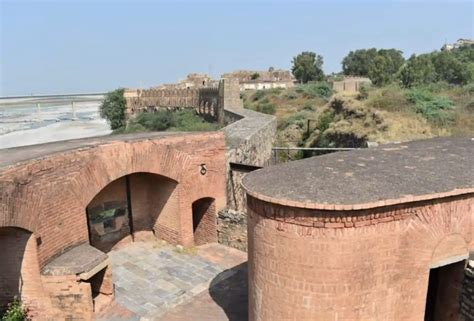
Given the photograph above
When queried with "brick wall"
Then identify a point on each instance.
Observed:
(353, 265)
(48, 195)
(71, 299)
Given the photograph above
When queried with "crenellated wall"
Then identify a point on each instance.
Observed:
(209, 100)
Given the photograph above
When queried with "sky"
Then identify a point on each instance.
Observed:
(96, 46)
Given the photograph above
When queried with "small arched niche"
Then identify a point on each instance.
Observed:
(204, 221)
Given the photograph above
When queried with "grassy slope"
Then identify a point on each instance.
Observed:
(385, 115)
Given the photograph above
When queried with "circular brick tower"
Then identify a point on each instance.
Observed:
(359, 235)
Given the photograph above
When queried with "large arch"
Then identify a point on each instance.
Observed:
(59, 180)
(135, 203)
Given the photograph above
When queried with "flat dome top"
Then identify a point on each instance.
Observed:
(373, 177)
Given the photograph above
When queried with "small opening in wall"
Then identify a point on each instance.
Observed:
(444, 291)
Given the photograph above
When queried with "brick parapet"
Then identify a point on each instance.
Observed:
(344, 218)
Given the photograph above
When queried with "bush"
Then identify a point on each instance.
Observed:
(308, 106)
(363, 91)
(297, 119)
(469, 88)
(190, 122)
(255, 76)
(183, 120)
(131, 128)
(113, 108)
(157, 121)
(315, 90)
(391, 98)
(258, 95)
(325, 121)
(14, 312)
(434, 108)
(266, 108)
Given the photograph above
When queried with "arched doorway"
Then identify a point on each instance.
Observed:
(204, 221)
(19, 269)
(132, 204)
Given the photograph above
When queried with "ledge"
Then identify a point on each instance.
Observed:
(82, 260)
(383, 176)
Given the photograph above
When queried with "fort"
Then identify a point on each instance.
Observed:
(374, 234)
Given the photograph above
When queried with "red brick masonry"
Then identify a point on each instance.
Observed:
(313, 260)
(45, 189)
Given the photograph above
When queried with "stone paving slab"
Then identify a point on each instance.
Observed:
(225, 300)
(151, 278)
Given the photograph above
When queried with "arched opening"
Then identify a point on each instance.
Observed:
(19, 269)
(204, 221)
(132, 204)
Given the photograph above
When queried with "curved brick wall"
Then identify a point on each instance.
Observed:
(45, 189)
(308, 264)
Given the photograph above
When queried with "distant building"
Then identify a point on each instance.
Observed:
(458, 44)
(193, 80)
(350, 84)
(256, 79)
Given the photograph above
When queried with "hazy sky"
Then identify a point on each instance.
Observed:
(92, 46)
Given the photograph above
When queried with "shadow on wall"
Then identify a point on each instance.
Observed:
(130, 204)
(13, 243)
(204, 221)
(231, 294)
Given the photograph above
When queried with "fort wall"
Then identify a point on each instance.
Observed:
(47, 190)
(353, 265)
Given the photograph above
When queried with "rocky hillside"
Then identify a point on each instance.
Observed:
(313, 116)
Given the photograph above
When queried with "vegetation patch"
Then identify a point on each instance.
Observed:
(15, 311)
(437, 109)
(165, 120)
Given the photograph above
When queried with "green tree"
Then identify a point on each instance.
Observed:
(451, 69)
(380, 66)
(113, 108)
(357, 62)
(418, 70)
(255, 76)
(307, 66)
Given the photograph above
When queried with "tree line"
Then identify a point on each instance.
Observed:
(384, 66)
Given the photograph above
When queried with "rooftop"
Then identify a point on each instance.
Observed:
(366, 178)
(11, 156)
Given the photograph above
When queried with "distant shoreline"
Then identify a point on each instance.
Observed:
(51, 100)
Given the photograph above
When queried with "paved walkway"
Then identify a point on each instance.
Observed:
(151, 278)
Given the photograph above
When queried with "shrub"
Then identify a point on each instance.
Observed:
(291, 95)
(157, 121)
(113, 108)
(131, 128)
(308, 106)
(469, 88)
(188, 121)
(391, 98)
(297, 118)
(266, 108)
(15, 311)
(363, 91)
(259, 94)
(315, 90)
(255, 76)
(275, 91)
(434, 108)
(325, 121)
(184, 120)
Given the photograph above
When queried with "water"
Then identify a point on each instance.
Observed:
(22, 124)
